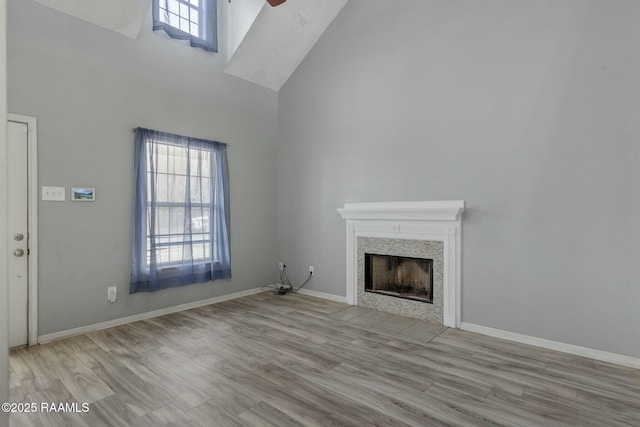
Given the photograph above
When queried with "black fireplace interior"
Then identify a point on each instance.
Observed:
(397, 276)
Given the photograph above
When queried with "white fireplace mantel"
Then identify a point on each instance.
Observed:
(423, 220)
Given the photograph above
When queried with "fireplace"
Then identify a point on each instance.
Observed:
(396, 260)
(399, 276)
(430, 230)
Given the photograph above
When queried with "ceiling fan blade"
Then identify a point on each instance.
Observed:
(275, 3)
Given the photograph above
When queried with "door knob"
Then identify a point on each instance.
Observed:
(18, 252)
(18, 237)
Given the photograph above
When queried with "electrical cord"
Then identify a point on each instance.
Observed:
(301, 286)
(286, 282)
(283, 290)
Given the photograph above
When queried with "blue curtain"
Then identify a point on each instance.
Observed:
(170, 23)
(181, 217)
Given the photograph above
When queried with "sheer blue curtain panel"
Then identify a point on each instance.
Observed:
(181, 211)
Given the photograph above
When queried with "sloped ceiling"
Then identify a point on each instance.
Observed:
(280, 38)
(274, 45)
(122, 16)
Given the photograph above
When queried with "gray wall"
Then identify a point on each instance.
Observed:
(526, 110)
(88, 87)
(4, 315)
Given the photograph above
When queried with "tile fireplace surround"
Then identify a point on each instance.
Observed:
(427, 249)
(425, 227)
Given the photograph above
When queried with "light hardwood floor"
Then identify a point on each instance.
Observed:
(295, 360)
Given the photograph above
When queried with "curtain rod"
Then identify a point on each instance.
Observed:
(133, 130)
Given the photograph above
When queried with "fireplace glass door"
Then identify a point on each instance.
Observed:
(398, 276)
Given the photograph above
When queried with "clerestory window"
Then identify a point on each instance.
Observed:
(193, 20)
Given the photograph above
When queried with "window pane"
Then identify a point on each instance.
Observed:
(177, 188)
(206, 165)
(200, 220)
(200, 251)
(175, 253)
(149, 178)
(162, 221)
(194, 17)
(181, 162)
(171, 159)
(163, 16)
(174, 20)
(159, 152)
(161, 188)
(162, 11)
(184, 10)
(195, 31)
(196, 191)
(184, 25)
(206, 214)
(206, 188)
(198, 159)
(176, 221)
(164, 188)
(200, 190)
(174, 6)
(196, 3)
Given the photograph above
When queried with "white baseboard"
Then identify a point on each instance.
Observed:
(323, 295)
(604, 356)
(149, 314)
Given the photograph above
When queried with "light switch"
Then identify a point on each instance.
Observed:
(54, 194)
(112, 293)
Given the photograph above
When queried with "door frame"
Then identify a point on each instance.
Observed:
(32, 222)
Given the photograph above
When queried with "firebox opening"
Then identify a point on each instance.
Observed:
(402, 277)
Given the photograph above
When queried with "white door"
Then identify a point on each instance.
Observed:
(18, 263)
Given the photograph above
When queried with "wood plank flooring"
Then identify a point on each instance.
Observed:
(295, 360)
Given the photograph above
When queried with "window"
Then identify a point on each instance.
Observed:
(168, 182)
(181, 219)
(193, 20)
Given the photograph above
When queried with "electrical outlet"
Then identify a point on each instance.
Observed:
(281, 266)
(311, 270)
(112, 293)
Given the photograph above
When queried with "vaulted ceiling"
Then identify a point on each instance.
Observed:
(263, 44)
(280, 38)
(122, 16)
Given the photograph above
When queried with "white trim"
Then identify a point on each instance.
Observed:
(32, 222)
(142, 316)
(427, 220)
(443, 210)
(323, 295)
(591, 353)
